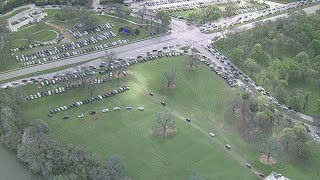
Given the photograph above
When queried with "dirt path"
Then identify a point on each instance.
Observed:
(63, 31)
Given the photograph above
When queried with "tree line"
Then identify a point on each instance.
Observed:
(270, 133)
(44, 155)
(9, 5)
(277, 54)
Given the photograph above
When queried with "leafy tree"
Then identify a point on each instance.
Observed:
(115, 169)
(137, 31)
(12, 128)
(165, 19)
(193, 16)
(42, 155)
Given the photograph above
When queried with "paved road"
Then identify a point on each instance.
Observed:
(181, 34)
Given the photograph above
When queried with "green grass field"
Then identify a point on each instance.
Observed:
(43, 36)
(184, 13)
(128, 133)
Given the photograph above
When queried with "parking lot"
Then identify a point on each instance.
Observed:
(25, 18)
(245, 16)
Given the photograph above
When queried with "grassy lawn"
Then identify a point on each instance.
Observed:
(128, 133)
(14, 13)
(184, 13)
(43, 36)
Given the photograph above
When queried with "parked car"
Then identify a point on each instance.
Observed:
(213, 135)
(228, 146)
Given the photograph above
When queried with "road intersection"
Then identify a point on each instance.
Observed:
(181, 33)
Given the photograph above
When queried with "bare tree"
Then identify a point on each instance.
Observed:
(170, 77)
(193, 61)
(108, 57)
(82, 78)
(164, 124)
(91, 85)
(142, 13)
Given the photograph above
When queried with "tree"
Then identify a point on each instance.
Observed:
(269, 148)
(170, 77)
(137, 32)
(142, 12)
(12, 128)
(193, 17)
(164, 124)
(115, 169)
(91, 85)
(165, 19)
(109, 57)
(126, 11)
(42, 155)
(193, 61)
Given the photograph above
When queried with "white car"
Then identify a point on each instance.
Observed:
(212, 135)
(105, 110)
(116, 108)
(141, 108)
(80, 115)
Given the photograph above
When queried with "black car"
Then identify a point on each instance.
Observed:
(163, 103)
(151, 94)
(65, 117)
(188, 120)
(92, 112)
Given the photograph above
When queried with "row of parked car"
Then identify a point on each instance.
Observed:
(65, 47)
(75, 53)
(161, 2)
(35, 45)
(61, 89)
(189, 6)
(89, 100)
(207, 27)
(116, 108)
(84, 32)
(19, 20)
(77, 27)
(248, 8)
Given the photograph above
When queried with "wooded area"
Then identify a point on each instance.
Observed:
(44, 155)
(272, 135)
(283, 57)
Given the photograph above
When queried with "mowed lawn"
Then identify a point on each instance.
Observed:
(44, 35)
(198, 94)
